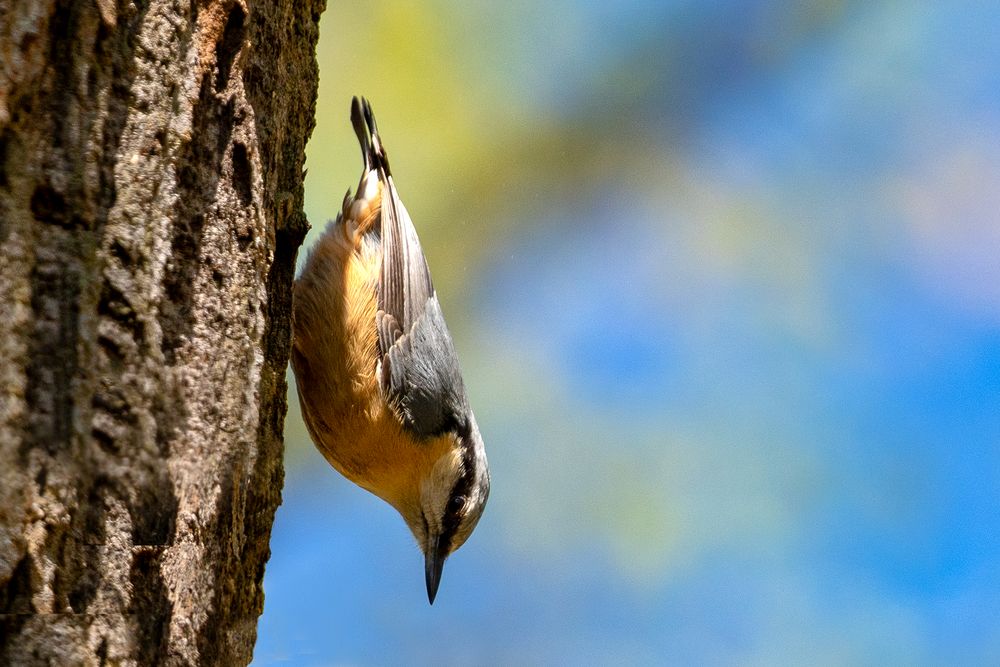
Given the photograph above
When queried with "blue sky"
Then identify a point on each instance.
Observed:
(725, 291)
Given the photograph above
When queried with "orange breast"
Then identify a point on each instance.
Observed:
(334, 358)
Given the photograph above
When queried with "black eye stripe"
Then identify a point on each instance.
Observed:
(463, 487)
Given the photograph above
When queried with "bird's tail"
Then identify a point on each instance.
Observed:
(363, 120)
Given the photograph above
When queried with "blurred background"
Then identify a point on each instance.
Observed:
(725, 282)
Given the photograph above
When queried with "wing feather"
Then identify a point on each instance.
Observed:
(406, 280)
(419, 371)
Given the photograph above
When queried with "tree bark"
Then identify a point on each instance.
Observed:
(151, 163)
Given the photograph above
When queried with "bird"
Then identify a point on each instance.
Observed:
(379, 383)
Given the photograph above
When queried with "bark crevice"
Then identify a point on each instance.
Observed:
(151, 161)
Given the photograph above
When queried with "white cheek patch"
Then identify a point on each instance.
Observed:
(435, 490)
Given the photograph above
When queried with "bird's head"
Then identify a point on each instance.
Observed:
(450, 499)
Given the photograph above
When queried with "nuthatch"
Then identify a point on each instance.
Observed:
(379, 382)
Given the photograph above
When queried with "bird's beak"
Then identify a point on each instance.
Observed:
(433, 564)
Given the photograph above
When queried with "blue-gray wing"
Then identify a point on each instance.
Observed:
(420, 375)
(405, 282)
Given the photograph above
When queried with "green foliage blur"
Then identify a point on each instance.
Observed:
(724, 281)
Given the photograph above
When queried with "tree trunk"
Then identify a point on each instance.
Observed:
(151, 162)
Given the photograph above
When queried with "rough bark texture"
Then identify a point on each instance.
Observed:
(151, 158)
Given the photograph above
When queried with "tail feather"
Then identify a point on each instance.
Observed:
(361, 131)
(363, 120)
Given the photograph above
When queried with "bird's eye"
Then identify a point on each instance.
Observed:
(456, 503)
